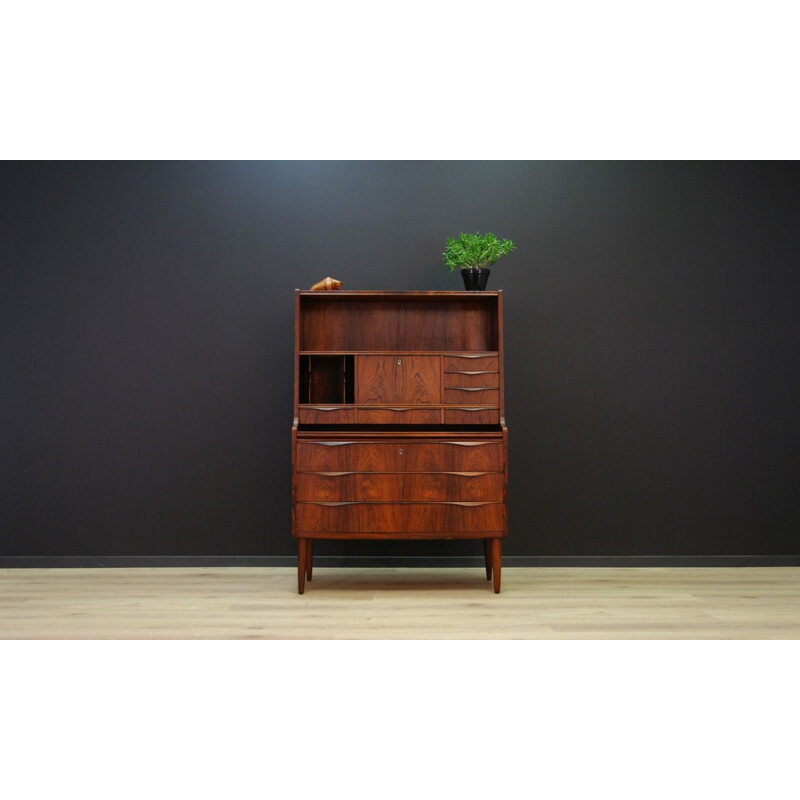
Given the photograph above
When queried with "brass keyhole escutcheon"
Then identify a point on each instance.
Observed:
(399, 360)
(401, 451)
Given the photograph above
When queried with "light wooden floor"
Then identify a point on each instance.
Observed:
(536, 603)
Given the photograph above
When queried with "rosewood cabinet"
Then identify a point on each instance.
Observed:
(399, 426)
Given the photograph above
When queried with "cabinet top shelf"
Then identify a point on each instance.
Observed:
(331, 295)
(371, 321)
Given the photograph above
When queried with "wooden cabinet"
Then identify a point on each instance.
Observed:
(399, 427)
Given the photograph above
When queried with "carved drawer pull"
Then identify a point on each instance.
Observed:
(469, 389)
(475, 372)
(325, 408)
(460, 444)
(371, 473)
(466, 505)
(469, 474)
(398, 409)
(476, 355)
(333, 505)
(333, 474)
(482, 408)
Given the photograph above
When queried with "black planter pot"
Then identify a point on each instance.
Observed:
(475, 279)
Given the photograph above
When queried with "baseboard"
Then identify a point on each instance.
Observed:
(31, 562)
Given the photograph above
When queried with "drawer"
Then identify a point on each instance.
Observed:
(470, 363)
(399, 487)
(399, 416)
(324, 415)
(472, 378)
(473, 394)
(472, 416)
(392, 518)
(457, 455)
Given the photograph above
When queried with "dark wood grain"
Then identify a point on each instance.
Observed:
(402, 534)
(500, 364)
(326, 415)
(472, 378)
(461, 455)
(398, 378)
(388, 434)
(399, 416)
(302, 547)
(392, 517)
(471, 362)
(473, 394)
(400, 487)
(390, 321)
(325, 379)
(297, 348)
(497, 552)
(471, 416)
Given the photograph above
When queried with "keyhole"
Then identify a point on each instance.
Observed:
(399, 361)
(401, 451)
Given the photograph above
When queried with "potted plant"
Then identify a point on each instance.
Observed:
(472, 253)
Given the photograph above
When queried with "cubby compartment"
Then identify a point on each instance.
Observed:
(326, 379)
(400, 322)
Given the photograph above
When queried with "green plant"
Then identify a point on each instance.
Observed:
(475, 250)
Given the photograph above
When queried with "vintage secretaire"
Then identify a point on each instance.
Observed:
(399, 426)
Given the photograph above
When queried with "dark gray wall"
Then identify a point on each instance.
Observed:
(652, 338)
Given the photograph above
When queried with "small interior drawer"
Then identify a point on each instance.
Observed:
(472, 378)
(469, 363)
(480, 415)
(326, 415)
(472, 394)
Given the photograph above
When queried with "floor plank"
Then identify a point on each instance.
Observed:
(405, 603)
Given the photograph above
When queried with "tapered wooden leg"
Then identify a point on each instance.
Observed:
(487, 557)
(309, 558)
(302, 549)
(497, 551)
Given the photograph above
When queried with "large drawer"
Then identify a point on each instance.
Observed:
(392, 518)
(399, 487)
(457, 455)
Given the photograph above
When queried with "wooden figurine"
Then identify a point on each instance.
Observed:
(326, 284)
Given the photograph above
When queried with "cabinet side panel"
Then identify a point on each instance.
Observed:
(296, 354)
(501, 359)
